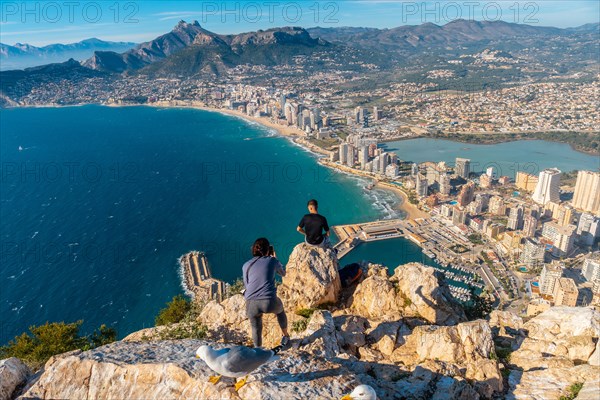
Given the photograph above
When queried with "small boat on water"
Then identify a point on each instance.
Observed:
(369, 187)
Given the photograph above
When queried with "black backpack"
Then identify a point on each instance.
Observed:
(350, 274)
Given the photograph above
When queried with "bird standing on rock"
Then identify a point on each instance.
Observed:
(361, 392)
(236, 361)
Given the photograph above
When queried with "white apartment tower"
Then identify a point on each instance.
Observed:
(548, 186)
(587, 192)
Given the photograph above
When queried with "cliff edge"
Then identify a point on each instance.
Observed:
(401, 333)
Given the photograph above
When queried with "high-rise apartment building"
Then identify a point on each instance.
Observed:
(588, 229)
(463, 167)
(515, 218)
(587, 192)
(550, 274)
(548, 186)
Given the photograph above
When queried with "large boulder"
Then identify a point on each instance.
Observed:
(551, 383)
(376, 297)
(427, 294)
(13, 374)
(468, 345)
(559, 337)
(311, 279)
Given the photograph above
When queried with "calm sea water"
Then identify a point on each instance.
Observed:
(98, 203)
(530, 156)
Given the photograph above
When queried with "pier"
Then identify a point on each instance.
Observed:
(198, 277)
(351, 236)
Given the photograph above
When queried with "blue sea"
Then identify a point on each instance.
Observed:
(98, 203)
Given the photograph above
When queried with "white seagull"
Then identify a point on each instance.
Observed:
(361, 392)
(236, 361)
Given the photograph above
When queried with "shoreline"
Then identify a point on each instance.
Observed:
(410, 210)
(295, 133)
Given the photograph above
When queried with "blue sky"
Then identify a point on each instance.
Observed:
(45, 22)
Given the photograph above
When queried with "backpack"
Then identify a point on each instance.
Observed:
(350, 274)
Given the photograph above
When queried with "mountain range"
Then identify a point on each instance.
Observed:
(22, 56)
(190, 49)
(378, 56)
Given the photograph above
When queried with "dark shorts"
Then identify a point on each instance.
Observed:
(255, 308)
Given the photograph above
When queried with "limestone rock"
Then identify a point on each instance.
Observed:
(558, 337)
(351, 331)
(169, 369)
(595, 357)
(376, 297)
(13, 373)
(227, 321)
(468, 345)
(590, 390)
(153, 333)
(549, 383)
(311, 278)
(505, 319)
(428, 296)
(320, 337)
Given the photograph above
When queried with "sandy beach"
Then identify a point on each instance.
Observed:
(412, 212)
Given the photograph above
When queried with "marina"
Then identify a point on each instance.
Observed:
(431, 236)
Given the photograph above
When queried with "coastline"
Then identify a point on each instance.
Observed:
(411, 211)
(295, 133)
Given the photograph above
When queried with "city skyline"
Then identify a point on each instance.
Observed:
(46, 22)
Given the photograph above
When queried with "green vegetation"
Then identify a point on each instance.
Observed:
(179, 320)
(573, 391)
(503, 353)
(479, 306)
(568, 178)
(52, 338)
(235, 288)
(299, 326)
(175, 311)
(475, 238)
(305, 312)
(412, 197)
(458, 248)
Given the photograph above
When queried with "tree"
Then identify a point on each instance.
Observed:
(52, 338)
(175, 311)
(479, 306)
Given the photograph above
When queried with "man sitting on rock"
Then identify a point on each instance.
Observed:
(314, 226)
(261, 292)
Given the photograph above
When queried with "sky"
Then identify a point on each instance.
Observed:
(67, 21)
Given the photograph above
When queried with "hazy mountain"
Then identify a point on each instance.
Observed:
(411, 38)
(22, 55)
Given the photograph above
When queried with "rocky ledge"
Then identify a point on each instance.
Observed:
(401, 333)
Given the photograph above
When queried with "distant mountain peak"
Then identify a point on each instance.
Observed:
(185, 24)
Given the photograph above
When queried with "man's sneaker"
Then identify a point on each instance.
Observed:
(285, 340)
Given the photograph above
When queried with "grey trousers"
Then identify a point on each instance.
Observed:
(255, 310)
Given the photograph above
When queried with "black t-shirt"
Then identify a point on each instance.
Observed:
(314, 225)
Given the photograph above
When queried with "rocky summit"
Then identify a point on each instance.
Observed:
(400, 333)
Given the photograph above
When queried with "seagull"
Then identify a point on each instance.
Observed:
(361, 392)
(235, 362)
